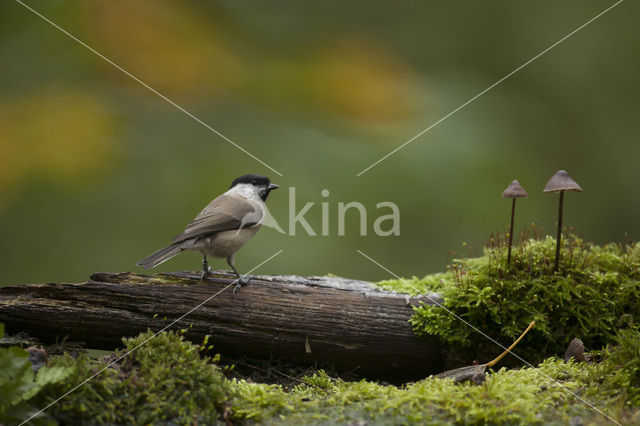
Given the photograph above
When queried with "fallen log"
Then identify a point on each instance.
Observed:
(350, 324)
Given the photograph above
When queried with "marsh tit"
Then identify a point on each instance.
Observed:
(223, 226)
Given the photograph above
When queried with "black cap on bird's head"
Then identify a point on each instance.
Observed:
(262, 182)
(255, 180)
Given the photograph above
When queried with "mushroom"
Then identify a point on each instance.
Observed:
(575, 351)
(514, 191)
(560, 182)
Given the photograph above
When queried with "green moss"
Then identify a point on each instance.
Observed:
(168, 381)
(619, 375)
(164, 380)
(20, 385)
(543, 395)
(596, 291)
(553, 393)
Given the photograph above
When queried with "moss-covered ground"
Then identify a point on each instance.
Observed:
(594, 296)
(595, 293)
(168, 381)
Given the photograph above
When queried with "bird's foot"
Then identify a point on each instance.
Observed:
(205, 268)
(237, 288)
(243, 280)
(205, 272)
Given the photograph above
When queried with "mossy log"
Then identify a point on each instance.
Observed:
(350, 324)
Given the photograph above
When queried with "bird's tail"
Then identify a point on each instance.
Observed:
(160, 256)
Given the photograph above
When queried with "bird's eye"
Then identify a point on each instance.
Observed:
(254, 182)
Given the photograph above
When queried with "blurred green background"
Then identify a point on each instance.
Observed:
(96, 171)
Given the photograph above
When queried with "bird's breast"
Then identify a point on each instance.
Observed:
(225, 243)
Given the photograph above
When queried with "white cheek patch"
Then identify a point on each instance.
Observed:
(245, 190)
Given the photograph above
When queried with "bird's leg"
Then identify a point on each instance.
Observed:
(241, 280)
(205, 267)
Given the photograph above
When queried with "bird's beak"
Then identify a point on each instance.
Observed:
(273, 186)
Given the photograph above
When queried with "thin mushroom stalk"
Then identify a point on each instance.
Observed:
(513, 345)
(513, 213)
(556, 263)
(514, 191)
(470, 372)
(560, 182)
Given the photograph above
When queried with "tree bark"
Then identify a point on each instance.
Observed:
(351, 324)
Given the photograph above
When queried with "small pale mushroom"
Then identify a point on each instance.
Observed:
(513, 191)
(560, 182)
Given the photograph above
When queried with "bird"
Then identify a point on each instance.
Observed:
(222, 227)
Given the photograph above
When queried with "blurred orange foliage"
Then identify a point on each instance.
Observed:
(361, 80)
(165, 44)
(63, 136)
(202, 57)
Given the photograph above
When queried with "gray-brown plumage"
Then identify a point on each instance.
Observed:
(223, 226)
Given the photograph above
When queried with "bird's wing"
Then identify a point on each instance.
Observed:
(226, 212)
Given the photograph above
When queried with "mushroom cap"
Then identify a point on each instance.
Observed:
(561, 181)
(514, 190)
